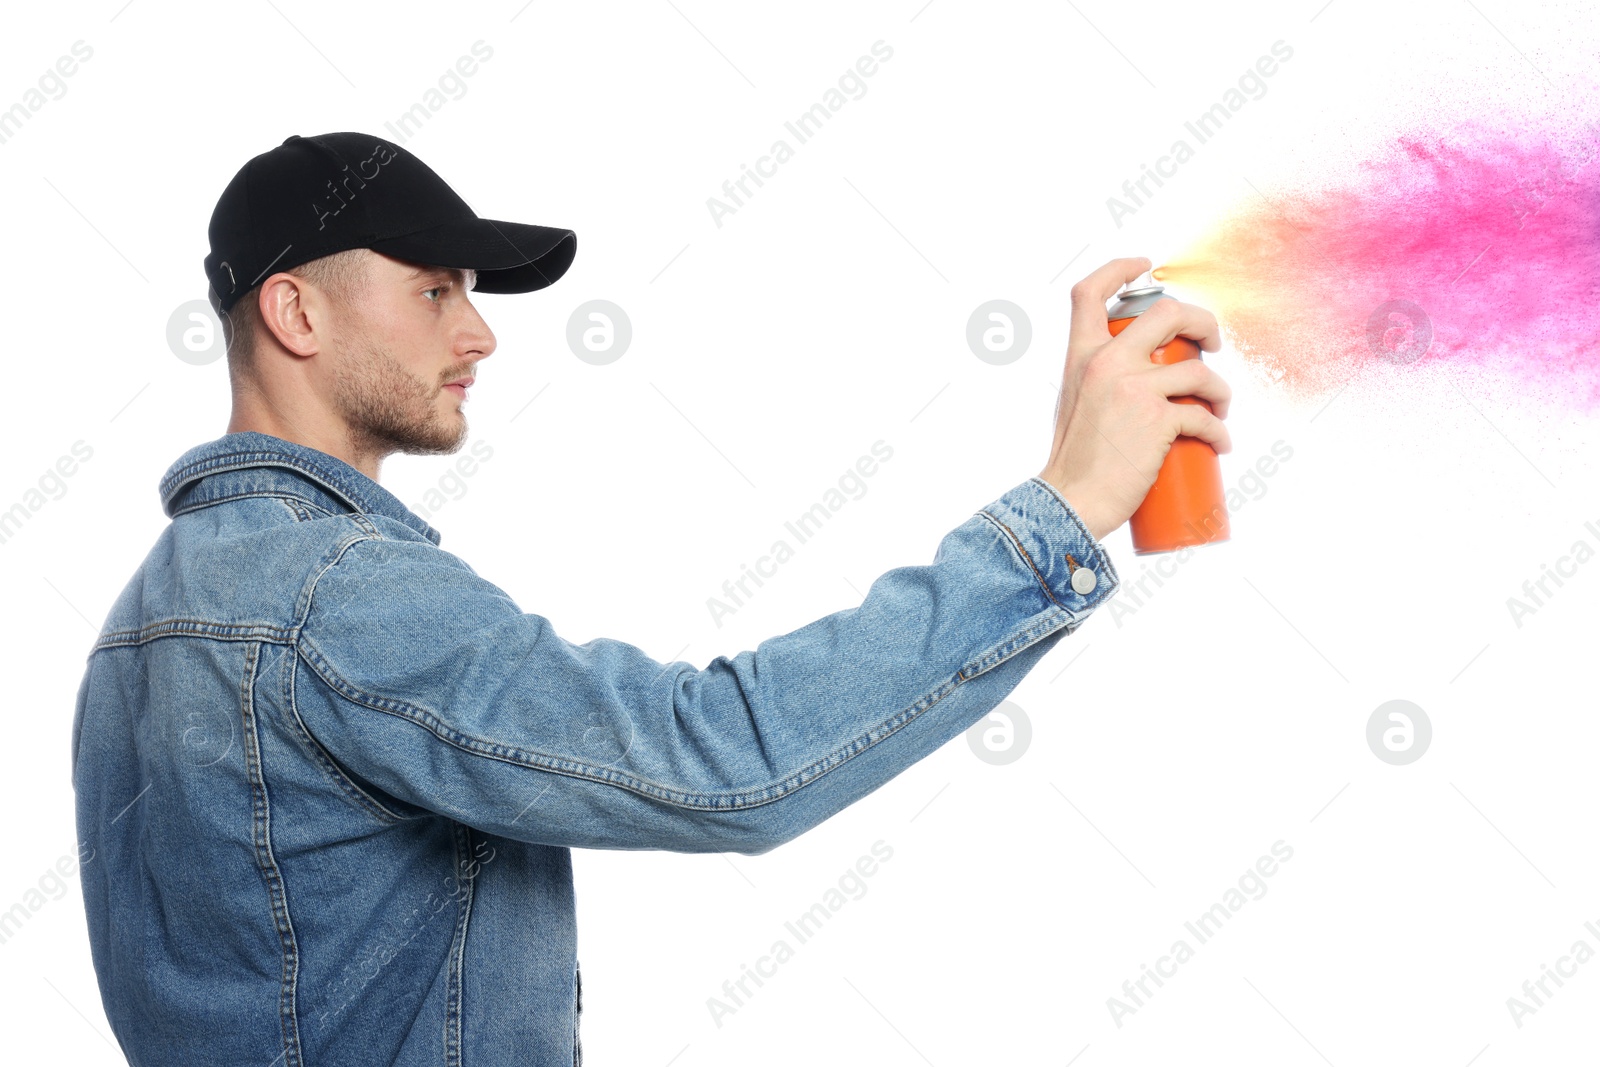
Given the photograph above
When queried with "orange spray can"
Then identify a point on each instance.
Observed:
(1186, 505)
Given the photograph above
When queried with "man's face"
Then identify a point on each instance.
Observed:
(410, 333)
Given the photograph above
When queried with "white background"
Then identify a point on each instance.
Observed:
(1184, 739)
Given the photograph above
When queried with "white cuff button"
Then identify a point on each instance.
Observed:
(1083, 581)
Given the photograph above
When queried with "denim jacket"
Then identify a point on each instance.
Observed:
(331, 776)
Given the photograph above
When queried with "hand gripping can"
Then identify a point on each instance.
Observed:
(1185, 506)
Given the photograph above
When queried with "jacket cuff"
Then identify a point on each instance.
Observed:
(1074, 569)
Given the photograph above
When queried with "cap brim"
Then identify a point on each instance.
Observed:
(509, 257)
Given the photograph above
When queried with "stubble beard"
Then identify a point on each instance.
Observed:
(388, 410)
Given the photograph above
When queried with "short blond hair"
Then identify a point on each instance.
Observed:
(342, 275)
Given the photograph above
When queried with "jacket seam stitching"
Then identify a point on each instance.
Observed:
(185, 627)
(1100, 557)
(300, 507)
(269, 494)
(245, 460)
(1025, 558)
(365, 531)
(352, 792)
(510, 754)
(458, 950)
(338, 483)
(267, 865)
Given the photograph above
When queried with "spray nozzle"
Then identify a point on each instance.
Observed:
(1143, 283)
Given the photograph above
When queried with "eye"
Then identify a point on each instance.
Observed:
(436, 289)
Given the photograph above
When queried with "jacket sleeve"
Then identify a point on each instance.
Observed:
(432, 685)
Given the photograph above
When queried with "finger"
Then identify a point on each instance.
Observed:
(1195, 421)
(1089, 298)
(1168, 318)
(1194, 378)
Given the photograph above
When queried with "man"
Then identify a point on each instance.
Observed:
(331, 776)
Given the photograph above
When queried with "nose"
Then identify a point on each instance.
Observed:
(475, 341)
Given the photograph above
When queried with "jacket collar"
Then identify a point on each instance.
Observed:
(247, 463)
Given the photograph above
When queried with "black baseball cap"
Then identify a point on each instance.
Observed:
(313, 196)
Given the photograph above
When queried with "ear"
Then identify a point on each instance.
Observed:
(285, 302)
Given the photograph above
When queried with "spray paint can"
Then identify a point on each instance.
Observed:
(1186, 505)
